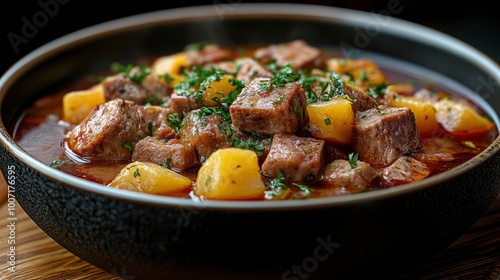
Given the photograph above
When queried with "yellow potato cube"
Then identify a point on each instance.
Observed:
(151, 178)
(425, 114)
(172, 64)
(332, 121)
(78, 104)
(217, 89)
(230, 174)
(361, 70)
(457, 117)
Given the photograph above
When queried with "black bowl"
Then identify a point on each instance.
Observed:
(150, 237)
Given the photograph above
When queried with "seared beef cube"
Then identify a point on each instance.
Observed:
(404, 170)
(152, 89)
(156, 116)
(173, 152)
(351, 178)
(362, 101)
(207, 54)
(251, 69)
(110, 131)
(157, 89)
(268, 110)
(297, 53)
(118, 86)
(384, 134)
(205, 133)
(298, 158)
(181, 104)
(228, 67)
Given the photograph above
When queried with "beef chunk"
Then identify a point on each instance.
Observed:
(299, 158)
(156, 116)
(207, 54)
(178, 154)
(204, 133)
(340, 174)
(297, 53)
(152, 89)
(181, 104)
(383, 135)
(157, 89)
(110, 131)
(118, 86)
(404, 170)
(251, 69)
(268, 110)
(362, 101)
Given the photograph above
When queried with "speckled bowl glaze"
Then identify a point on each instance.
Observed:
(152, 237)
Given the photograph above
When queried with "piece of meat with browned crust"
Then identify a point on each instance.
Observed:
(204, 133)
(250, 69)
(152, 90)
(299, 159)
(110, 131)
(210, 53)
(266, 109)
(403, 171)
(182, 105)
(156, 116)
(157, 90)
(118, 86)
(340, 174)
(384, 134)
(173, 152)
(298, 53)
(361, 100)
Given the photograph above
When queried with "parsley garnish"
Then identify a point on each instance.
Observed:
(175, 122)
(284, 76)
(377, 90)
(56, 163)
(167, 164)
(136, 173)
(127, 145)
(248, 145)
(353, 160)
(150, 128)
(304, 187)
(278, 182)
(134, 74)
(327, 121)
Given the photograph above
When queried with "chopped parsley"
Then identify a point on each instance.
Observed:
(136, 173)
(167, 164)
(127, 145)
(150, 128)
(284, 76)
(175, 122)
(353, 160)
(248, 144)
(377, 90)
(327, 121)
(136, 74)
(56, 163)
(278, 182)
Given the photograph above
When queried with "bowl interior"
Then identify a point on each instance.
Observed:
(353, 34)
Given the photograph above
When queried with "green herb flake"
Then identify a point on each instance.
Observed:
(208, 180)
(327, 121)
(56, 163)
(353, 160)
(304, 187)
(127, 145)
(136, 173)
(167, 164)
(175, 122)
(470, 144)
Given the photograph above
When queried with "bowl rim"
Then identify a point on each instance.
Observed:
(249, 10)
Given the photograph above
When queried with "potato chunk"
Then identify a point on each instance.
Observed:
(151, 178)
(171, 64)
(78, 104)
(460, 118)
(217, 89)
(230, 174)
(332, 121)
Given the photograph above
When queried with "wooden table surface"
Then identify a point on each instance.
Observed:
(476, 255)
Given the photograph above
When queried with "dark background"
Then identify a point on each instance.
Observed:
(476, 22)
